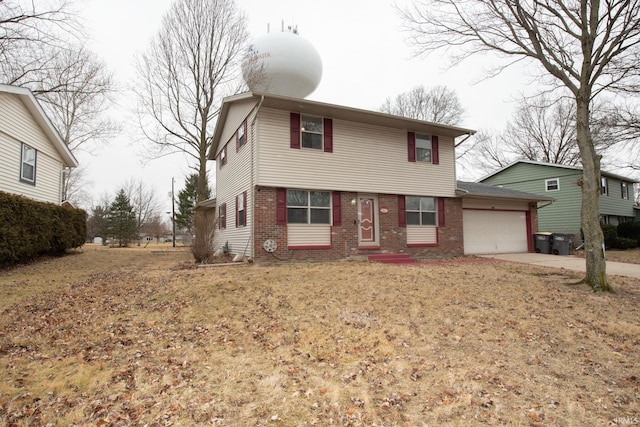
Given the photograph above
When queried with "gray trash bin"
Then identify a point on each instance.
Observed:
(542, 242)
(561, 244)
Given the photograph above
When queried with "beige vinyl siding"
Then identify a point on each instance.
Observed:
(17, 126)
(235, 117)
(233, 179)
(365, 158)
(308, 235)
(421, 235)
(505, 205)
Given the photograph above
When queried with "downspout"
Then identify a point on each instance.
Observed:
(254, 146)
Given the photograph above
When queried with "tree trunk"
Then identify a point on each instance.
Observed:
(593, 237)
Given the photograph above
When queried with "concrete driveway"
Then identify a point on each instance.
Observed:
(569, 262)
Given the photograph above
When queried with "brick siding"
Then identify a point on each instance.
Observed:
(344, 238)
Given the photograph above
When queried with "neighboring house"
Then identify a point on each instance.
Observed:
(562, 183)
(304, 180)
(33, 157)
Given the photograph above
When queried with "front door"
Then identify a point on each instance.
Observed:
(368, 221)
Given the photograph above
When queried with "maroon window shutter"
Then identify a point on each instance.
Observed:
(295, 130)
(281, 206)
(337, 209)
(411, 146)
(237, 141)
(440, 212)
(220, 217)
(402, 212)
(244, 207)
(435, 159)
(328, 135)
(237, 211)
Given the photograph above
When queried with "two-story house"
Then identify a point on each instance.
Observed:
(305, 180)
(562, 183)
(33, 157)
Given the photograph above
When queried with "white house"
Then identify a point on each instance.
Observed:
(33, 157)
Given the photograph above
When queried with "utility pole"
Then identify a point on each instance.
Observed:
(173, 213)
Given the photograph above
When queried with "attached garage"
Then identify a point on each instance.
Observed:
(494, 232)
(498, 220)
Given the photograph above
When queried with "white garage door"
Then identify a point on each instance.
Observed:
(494, 232)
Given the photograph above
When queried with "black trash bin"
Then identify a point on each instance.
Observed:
(543, 242)
(561, 244)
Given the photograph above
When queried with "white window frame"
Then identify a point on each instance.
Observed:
(420, 211)
(310, 207)
(26, 161)
(624, 190)
(242, 135)
(548, 182)
(307, 117)
(604, 186)
(240, 213)
(223, 156)
(423, 142)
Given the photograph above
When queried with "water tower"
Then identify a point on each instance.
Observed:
(282, 63)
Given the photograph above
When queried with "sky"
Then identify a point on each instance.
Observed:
(365, 55)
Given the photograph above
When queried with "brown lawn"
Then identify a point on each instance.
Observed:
(115, 337)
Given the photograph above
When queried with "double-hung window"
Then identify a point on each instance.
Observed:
(604, 186)
(241, 210)
(222, 216)
(241, 136)
(624, 190)
(311, 130)
(420, 210)
(308, 207)
(223, 157)
(552, 184)
(28, 164)
(423, 148)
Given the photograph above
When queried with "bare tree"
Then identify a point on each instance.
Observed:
(438, 104)
(185, 73)
(28, 28)
(144, 201)
(77, 90)
(584, 46)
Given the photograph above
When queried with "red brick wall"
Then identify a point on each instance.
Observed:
(345, 237)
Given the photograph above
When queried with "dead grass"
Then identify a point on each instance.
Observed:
(630, 255)
(113, 337)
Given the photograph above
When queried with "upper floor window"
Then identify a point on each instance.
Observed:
(311, 132)
(28, 164)
(552, 184)
(223, 156)
(423, 148)
(308, 207)
(624, 190)
(241, 136)
(604, 186)
(420, 210)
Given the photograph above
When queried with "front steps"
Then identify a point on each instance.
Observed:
(391, 258)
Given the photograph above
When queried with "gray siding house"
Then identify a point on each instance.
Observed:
(561, 183)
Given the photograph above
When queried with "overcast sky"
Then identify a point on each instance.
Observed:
(365, 59)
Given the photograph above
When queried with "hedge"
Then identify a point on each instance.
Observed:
(29, 229)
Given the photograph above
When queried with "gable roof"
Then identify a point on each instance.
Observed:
(34, 107)
(555, 165)
(476, 189)
(316, 108)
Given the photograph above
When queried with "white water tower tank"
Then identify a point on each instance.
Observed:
(282, 63)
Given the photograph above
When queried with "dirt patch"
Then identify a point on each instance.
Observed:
(110, 338)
